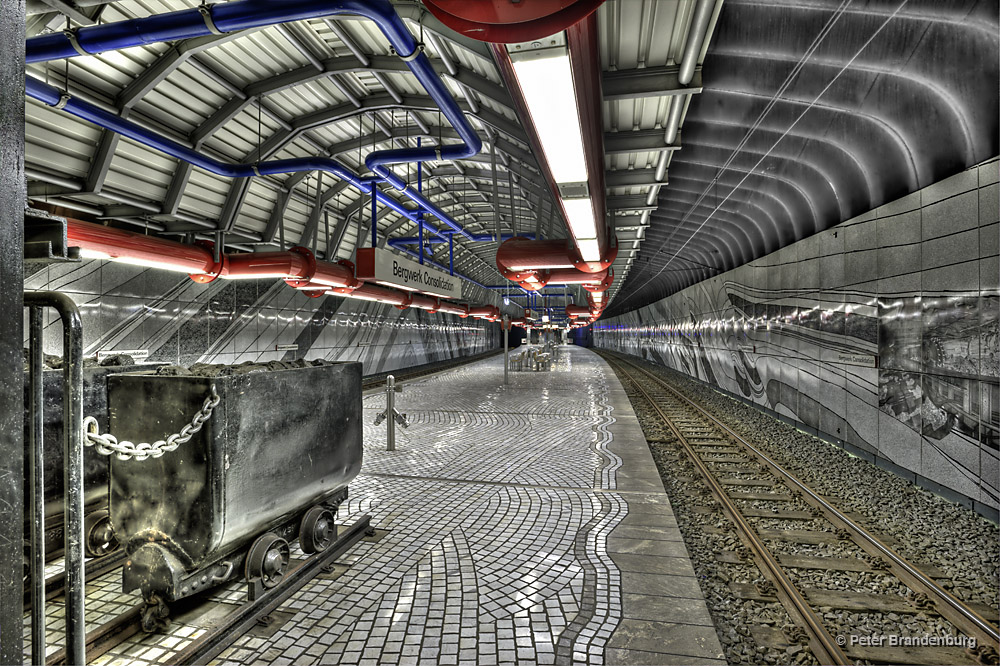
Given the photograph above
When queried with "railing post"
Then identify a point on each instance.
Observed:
(36, 493)
(390, 410)
(506, 348)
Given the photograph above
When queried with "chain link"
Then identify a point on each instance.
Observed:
(107, 444)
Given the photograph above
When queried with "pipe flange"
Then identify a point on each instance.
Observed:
(349, 265)
(219, 268)
(310, 267)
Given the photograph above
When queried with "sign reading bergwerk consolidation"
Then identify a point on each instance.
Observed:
(381, 265)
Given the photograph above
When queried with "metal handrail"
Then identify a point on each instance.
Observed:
(73, 470)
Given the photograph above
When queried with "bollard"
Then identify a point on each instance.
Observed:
(390, 407)
(391, 414)
(506, 348)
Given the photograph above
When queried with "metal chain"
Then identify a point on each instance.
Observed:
(106, 443)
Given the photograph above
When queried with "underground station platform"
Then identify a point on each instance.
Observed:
(523, 523)
(501, 333)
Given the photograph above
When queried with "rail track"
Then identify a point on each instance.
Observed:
(751, 488)
(376, 380)
(222, 631)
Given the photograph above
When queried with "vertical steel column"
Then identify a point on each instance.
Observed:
(11, 330)
(36, 494)
(374, 218)
(390, 413)
(496, 189)
(451, 254)
(506, 348)
(420, 215)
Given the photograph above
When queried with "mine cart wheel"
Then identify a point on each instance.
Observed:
(100, 537)
(317, 530)
(267, 559)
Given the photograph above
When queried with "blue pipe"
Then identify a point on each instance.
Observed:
(478, 238)
(52, 96)
(248, 14)
(420, 216)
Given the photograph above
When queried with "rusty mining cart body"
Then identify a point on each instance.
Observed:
(279, 449)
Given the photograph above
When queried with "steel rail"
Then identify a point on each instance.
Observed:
(233, 625)
(55, 585)
(237, 623)
(823, 644)
(949, 606)
(104, 638)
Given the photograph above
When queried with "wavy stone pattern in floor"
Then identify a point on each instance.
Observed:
(522, 525)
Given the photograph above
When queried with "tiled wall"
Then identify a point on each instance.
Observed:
(231, 321)
(910, 287)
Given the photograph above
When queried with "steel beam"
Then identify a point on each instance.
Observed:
(12, 193)
(648, 82)
(616, 143)
(631, 178)
(634, 202)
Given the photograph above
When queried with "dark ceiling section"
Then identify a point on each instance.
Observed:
(813, 112)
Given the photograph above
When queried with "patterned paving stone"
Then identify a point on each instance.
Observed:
(498, 505)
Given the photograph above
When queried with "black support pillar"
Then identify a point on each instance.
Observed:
(11, 322)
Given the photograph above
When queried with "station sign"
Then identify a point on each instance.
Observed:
(382, 266)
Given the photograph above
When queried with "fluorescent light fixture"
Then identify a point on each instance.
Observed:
(93, 254)
(145, 263)
(393, 285)
(589, 249)
(254, 276)
(580, 214)
(546, 81)
(360, 297)
(545, 319)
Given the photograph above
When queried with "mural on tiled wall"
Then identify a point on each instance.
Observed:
(178, 321)
(881, 332)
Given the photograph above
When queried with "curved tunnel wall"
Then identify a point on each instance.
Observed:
(880, 334)
(813, 113)
(231, 321)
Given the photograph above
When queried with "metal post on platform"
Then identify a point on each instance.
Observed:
(36, 498)
(506, 348)
(69, 313)
(390, 408)
(391, 414)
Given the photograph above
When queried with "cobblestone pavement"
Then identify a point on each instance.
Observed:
(517, 525)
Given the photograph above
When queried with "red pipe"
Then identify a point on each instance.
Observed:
(574, 311)
(290, 266)
(522, 255)
(424, 302)
(603, 285)
(509, 22)
(376, 293)
(118, 244)
(454, 308)
(297, 266)
(484, 311)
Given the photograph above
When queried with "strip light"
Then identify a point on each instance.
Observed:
(132, 261)
(545, 76)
